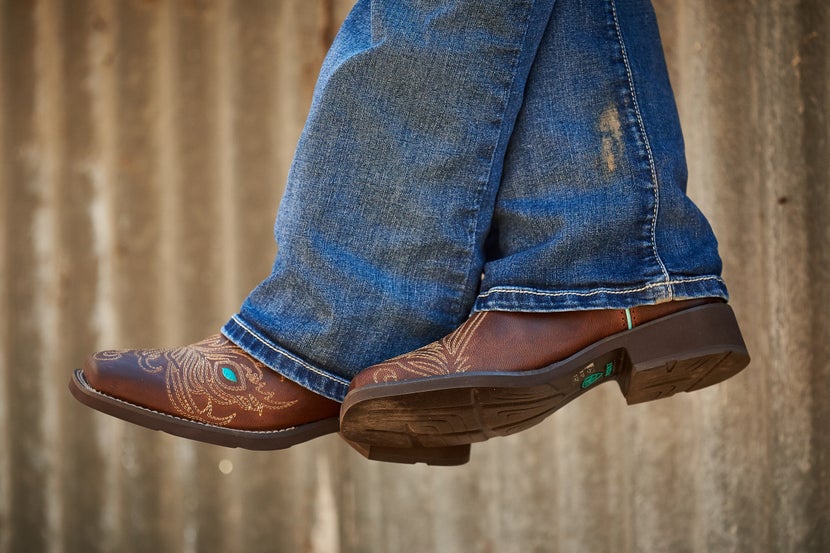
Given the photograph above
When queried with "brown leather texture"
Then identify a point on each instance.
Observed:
(212, 381)
(513, 341)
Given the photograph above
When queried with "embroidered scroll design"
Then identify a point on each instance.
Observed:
(199, 379)
(446, 356)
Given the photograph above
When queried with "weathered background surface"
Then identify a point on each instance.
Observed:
(143, 150)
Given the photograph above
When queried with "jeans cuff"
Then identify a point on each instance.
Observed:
(517, 298)
(279, 359)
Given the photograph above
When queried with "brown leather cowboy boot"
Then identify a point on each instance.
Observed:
(502, 372)
(211, 391)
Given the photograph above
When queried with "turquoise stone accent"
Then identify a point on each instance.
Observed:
(228, 373)
(591, 379)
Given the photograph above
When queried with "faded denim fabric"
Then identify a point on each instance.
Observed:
(592, 211)
(536, 143)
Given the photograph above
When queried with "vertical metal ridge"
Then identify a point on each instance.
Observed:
(167, 172)
(23, 375)
(226, 107)
(47, 157)
(790, 292)
(101, 51)
(258, 128)
(325, 528)
(776, 297)
(6, 444)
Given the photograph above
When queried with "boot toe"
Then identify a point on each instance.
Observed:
(113, 372)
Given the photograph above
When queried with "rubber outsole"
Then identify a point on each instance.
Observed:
(435, 456)
(682, 352)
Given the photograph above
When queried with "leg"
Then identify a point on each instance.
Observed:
(381, 229)
(592, 237)
(392, 187)
(592, 212)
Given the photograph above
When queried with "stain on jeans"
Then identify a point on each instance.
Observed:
(612, 144)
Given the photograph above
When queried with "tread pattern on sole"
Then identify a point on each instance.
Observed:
(686, 375)
(434, 456)
(455, 417)
(451, 417)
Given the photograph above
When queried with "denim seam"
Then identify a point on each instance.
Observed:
(646, 143)
(472, 236)
(511, 290)
(293, 358)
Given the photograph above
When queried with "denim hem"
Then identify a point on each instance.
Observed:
(516, 298)
(288, 364)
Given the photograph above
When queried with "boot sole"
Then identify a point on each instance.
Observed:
(682, 352)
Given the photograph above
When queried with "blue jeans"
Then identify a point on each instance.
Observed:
(466, 155)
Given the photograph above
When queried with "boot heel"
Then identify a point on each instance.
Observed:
(437, 456)
(683, 352)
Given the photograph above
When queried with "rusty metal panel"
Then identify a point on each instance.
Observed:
(143, 150)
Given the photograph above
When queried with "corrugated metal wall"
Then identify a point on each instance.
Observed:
(143, 149)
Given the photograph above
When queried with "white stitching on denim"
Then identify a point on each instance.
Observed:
(646, 143)
(510, 290)
(482, 186)
(286, 354)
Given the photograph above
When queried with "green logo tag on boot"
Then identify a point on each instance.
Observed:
(593, 378)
